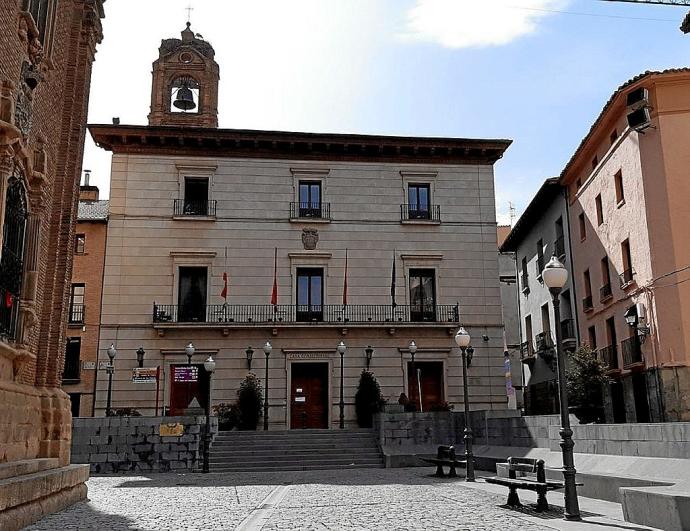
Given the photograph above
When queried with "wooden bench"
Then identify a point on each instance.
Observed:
(445, 456)
(537, 483)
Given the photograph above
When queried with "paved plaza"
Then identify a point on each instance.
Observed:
(351, 499)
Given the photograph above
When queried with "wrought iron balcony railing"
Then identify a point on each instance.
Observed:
(418, 212)
(567, 329)
(313, 210)
(185, 207)
(605, 292)
(626, 277)
(587, 304)
(544, 341)
(559, 247)
(526, 350)
(609, 355)
(76, 313)
(632, 352)
(230, 314)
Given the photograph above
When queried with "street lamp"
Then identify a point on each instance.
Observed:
(140, 356)
(462, 340)
(189, 350)
(267, 350)
(369, 352)
(341, 350)
(210, 366)
(110, 369)
(555, 276)
(412, 347)
(250, 356)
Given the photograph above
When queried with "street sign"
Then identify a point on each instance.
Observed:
(88, 365)
(171, 430)
(144, 375)
(185, 373)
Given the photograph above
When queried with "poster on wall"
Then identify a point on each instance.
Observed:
(185, 373)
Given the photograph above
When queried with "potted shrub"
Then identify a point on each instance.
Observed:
(228, 416)
(586, 377)
(250, 401)
(368, 399)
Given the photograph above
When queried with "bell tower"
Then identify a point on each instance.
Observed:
(185, 83)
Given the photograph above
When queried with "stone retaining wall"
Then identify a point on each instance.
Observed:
(126, 444)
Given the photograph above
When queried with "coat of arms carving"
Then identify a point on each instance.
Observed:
(310, 237)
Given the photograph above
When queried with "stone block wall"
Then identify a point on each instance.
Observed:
(126, 444)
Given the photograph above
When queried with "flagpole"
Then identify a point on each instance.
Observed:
(345, 287)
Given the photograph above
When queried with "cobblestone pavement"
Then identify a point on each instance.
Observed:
(351, 499)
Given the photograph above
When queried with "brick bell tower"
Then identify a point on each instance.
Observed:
(185, 83)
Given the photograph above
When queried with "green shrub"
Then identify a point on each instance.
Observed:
(250, 401)
(586, 378)
(228, 416)
(442, 406)
(368, 400)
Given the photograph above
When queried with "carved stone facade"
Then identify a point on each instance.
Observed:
(46, 52)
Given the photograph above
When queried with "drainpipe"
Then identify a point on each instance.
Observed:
(573, 290)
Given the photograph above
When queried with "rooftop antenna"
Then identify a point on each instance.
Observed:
(511, 210)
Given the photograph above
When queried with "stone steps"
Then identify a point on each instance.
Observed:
(28, 466)
(275, 451)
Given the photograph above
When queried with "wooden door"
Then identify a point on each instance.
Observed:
(430, 380)
(183, 392)
(309, 396)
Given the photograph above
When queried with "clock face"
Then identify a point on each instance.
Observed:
(186, 57)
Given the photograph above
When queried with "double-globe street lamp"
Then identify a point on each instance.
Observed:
(267, 351)
(555, 276)
(462, 340)
(110, 369)
(341, 348)
(210, 367)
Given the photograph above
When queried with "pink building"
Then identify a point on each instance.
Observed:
(628, 193)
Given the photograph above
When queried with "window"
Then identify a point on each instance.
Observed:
(540, 258)
(605, 279)
(42, 12)
(627, 275)
(583, 226)
(527, 348)
(592, 334)
(559, 243)
(196, 201)
(614, 136)
(192, 294)
(76, 304)
(79, 243)
(595, 161)
(310, 199)
(70, 373)
(587, 300)
(310, 294)
(419, 201)
(422, 295)
(528, 328)
(611, 332)
(620, 196)
(545, 319)
(600, 210)
(525, 276)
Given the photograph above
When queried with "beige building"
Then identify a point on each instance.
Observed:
(628, 192)
(81, 352)
(369, 240)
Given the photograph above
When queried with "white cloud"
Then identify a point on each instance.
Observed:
(476, 23)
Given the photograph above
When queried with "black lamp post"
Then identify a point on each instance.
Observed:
(555, 276)
(189, 351)
(210, 366)
(369, 352)
(140, 356)
(250, 356)
(413, 350)
(341, 350)
(267, 350)
(110, 369)
(462, 340)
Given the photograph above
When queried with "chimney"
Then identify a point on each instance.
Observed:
(86, 191)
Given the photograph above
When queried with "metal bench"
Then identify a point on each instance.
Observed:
(445, 456)
(538, 483)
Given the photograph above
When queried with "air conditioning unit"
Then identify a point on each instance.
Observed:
(640, 119)
(638, 98)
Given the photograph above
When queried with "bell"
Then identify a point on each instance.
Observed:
(185, 99)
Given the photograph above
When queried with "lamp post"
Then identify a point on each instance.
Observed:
(413, 350)
(369, 352)
(462, 340)
(140, 356)
(110, 369)
(210, 366)
(267, 350)
(250, 355)
(555, 276)
(189, 351)
(341, 350)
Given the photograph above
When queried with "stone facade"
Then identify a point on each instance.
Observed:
(46, 52)
(136, 444)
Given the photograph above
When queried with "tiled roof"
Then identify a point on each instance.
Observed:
(93, 210)
(608, 105)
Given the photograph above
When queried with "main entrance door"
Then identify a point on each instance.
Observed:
(309, 396)
(430, 379)
(187, 382)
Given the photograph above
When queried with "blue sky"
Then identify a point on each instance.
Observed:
(530, 70)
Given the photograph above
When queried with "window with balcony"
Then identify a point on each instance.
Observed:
(583, 226)
(527, 348)
(618, 181)
(609, 353)
(310, 204)
(605, 291)
(309, 294)
(626, 277)
(76, 304)
(191, 298)
(540, 258)
(592, 335)
(419, 201)
(71, 371)
(524, 275)
(587, 304)
(600, 210)
(196, 198)
(422, 295)
(559, 243)
(79, 243)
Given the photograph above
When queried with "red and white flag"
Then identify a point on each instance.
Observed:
(224, 293)
(274, 293)
(345, 282)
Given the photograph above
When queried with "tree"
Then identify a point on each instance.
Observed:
(368, 400)
(586, 378)
(250, 401)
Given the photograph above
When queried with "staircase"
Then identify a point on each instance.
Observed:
(277, 451)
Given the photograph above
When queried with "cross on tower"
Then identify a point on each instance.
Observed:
(189, 10)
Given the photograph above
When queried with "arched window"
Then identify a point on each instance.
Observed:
(12, 257)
